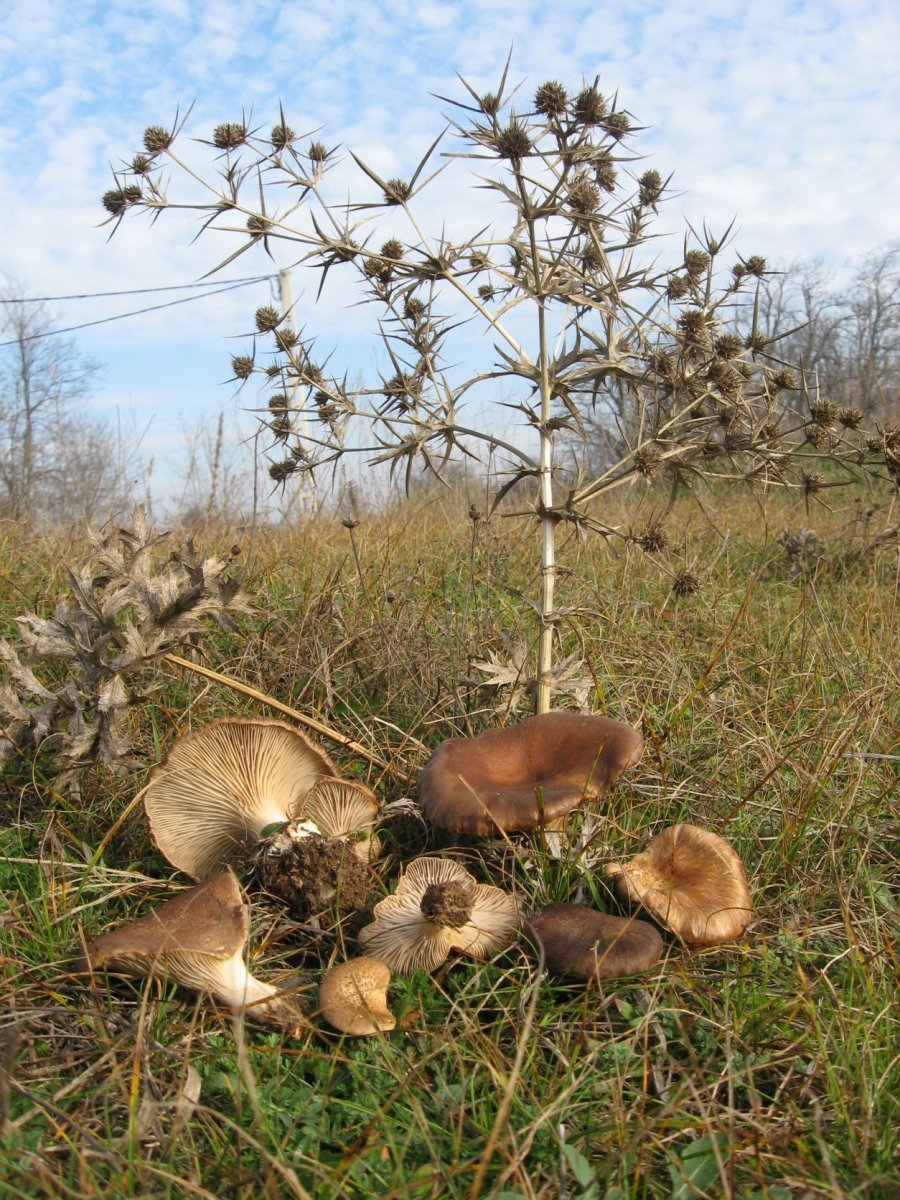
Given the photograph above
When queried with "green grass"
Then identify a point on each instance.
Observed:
(768, 1069)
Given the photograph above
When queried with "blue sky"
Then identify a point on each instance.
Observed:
(783, 115)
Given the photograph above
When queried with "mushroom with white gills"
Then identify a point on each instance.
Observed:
(438, 907)
(353, 997)
(323, 857)
(221, 786)
(526, 775)
(582, 943)
(198, 940)
(692, 882)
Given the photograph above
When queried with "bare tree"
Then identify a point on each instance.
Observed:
(57, 463)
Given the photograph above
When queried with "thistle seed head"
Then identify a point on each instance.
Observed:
(118, 199)
(584, 196)
(756, 341)
(653, 539)
(513, 142)
(696, 262)
(677, 287)
(156, 139)
(756, 266)
(590, 106)
(257, 224)
(397, 191)
(605, 173)
(685, 583)
(551, 99)
(851, 417)
(392, 249)
(414, 309)
(141, 164)
(490, 104)
(242, 366)
(316, 152)
(646, 460)
(617, 125)
(280, 472)
(651, 187)
(281, 136)
(286, 338)
(823, 412)
(267, 318)
(728, 346)
(229, 135)
(784, 381)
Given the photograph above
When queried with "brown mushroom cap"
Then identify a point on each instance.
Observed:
(585, 944)
(198, 941)
(353, 997)
(527, 774)
(221, 785)
(692, 882)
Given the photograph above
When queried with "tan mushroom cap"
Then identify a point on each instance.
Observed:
(198, 941)
(585, 944)
(221, 785)
(525, 775)
(692, 882)
(353, 997)
(343, 808)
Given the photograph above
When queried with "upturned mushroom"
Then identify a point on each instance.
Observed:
(581, 943)
(198, 940)
(223, 786)
(436, 908)
(692, 882)
(525, 775)
(353, 997)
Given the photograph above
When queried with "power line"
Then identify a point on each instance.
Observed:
(177, 287)
(33, 337)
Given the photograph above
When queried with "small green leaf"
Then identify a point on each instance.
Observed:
(698, 1167)
(584, 1173)
(270, 830)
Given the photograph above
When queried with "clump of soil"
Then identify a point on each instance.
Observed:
(316, 874)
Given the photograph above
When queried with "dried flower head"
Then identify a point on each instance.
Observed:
(685, 583)
(784, 381)
(696, 262)
(281, 136)
(286, 338)
(677, 287)
(823, 412)
(850, 417)
(268, 318)
(756, 341)
(397, 191)
(617, 125)
(650, 187)
(242, 366)
(316, 152)
(485, 292)
(117, 200)
(551, 99)
(157, 139)
(663, 364)
(694, 327)
(414, 309)
(141, 164)
(590, 106)
(229, 135)
(812, 481)
(605, 174)
(653, 539)
(756, 266)
(584, 196)
(647, 460)
(490, 104)
(257, 224)
(280, 472)
(392, 248)
(438, 907)
(513, 142)
(728, 346)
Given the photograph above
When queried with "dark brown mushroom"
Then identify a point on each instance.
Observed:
(525, 775)
(582, 943)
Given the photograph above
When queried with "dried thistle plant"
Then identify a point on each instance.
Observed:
(564, 286)
(73, 678)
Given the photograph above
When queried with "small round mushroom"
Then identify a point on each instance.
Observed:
(582, 943)
(198, 940)
(525, 775)
(353, 997)
(221, 786)
(692, 882)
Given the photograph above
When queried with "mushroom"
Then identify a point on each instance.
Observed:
(222, 786)
(198, 940)
(353, 997)
(585, 944)
(324, 856)
(692, 882)
(525, 775)
(438, 907)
